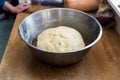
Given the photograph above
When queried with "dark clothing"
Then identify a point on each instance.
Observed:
(2, 3)
(6, 13)
(1, 10)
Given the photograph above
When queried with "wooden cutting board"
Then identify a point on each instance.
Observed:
(101, 63)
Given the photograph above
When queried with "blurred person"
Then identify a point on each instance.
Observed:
(14, 9)
(7, 8)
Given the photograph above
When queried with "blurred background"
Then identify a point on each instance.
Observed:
(6, 23)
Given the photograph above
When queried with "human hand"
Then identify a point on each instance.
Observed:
(21, 7)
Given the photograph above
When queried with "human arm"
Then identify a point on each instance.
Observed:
(15, 9)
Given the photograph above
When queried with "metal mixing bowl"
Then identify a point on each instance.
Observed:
(38, 21)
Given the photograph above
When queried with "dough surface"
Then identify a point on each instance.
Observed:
(60, 39)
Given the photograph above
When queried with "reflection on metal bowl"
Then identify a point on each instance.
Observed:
(36, 22)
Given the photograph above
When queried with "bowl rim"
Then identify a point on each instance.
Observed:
(81, 49)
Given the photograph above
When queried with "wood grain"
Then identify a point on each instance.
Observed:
(35, 8)
(101, 63)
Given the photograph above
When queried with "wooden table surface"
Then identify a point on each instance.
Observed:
(101, 63)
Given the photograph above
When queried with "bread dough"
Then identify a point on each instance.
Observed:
(60, 39)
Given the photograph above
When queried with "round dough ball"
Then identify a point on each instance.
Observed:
(60, 39)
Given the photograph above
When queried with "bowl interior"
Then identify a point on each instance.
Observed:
(35, 23)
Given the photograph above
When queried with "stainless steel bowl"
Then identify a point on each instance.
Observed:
(38, 21)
